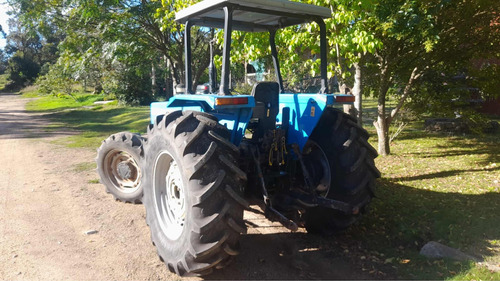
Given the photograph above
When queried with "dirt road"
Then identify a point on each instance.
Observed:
(48, 201)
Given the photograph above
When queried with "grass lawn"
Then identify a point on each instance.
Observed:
(434, 187)
(94, 122)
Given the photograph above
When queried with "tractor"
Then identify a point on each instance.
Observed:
(208, 157)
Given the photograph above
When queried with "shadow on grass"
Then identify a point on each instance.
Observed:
(405, 218)
(18, 124)
(85, 126)
(104, 120)
(445, 174)
(385, 244)
(9, 89)
(488, 145)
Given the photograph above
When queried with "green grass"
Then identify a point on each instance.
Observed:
(434, 187)
(30, 92)
(94, 181)
(46, 103)
(91, 123)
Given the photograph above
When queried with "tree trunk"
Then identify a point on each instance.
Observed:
(357, 91)
(346, 90)
(383, 134)
(246, 72)
(169, 85)
(382, 123)
(383, 120)
(350, 109)
(153, 79)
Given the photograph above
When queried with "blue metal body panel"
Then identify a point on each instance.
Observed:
(298, 113)
(234, 117)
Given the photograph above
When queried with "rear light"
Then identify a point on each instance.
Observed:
(345, 98)
(231, 101)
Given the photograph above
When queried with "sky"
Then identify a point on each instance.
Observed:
(3, 21)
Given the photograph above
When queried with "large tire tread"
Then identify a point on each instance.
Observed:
(353, 169)
(130, 143)
(208, 161)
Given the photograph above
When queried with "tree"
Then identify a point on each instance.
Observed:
(353, 41)
(417, 37)
(172, 42)
(30, 51)
(105, 38)
(3, 62)
(24, 48)
(22, 70)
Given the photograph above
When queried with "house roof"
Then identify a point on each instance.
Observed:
(252, 15)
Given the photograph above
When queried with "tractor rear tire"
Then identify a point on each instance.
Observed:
(353, 171)
(119, 164)
(193, 192)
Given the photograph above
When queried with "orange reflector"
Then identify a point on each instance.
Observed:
(231, 101)
(346, 98)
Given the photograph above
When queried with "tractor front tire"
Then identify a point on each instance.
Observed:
(192, 192)
(352, 170)
(119, 164)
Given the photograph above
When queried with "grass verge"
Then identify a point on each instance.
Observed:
(91, 123)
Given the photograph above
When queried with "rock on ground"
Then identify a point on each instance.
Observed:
(438, 250)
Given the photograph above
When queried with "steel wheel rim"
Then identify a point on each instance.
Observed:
(169, 196)
(123, 171)
(318, 167)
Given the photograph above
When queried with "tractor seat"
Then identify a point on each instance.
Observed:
(266, 109)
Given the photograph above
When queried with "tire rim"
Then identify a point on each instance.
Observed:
(123, 171)
(169, 196)
(318, 167)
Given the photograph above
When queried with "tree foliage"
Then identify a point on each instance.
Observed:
(129, 48)
(174, 41)
(25, 55)
(421, 39)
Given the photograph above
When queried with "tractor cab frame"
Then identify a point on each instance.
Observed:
(299, 112)
(252, 16)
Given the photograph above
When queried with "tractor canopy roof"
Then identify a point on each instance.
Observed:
(252, 15)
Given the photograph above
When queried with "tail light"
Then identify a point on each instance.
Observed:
(231, 101)
(345, 98)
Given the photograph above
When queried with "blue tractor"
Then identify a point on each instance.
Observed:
(209, 157)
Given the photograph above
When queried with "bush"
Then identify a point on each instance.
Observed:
(21, 70)
(56, 81)
(134, 88)
(130, 85)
